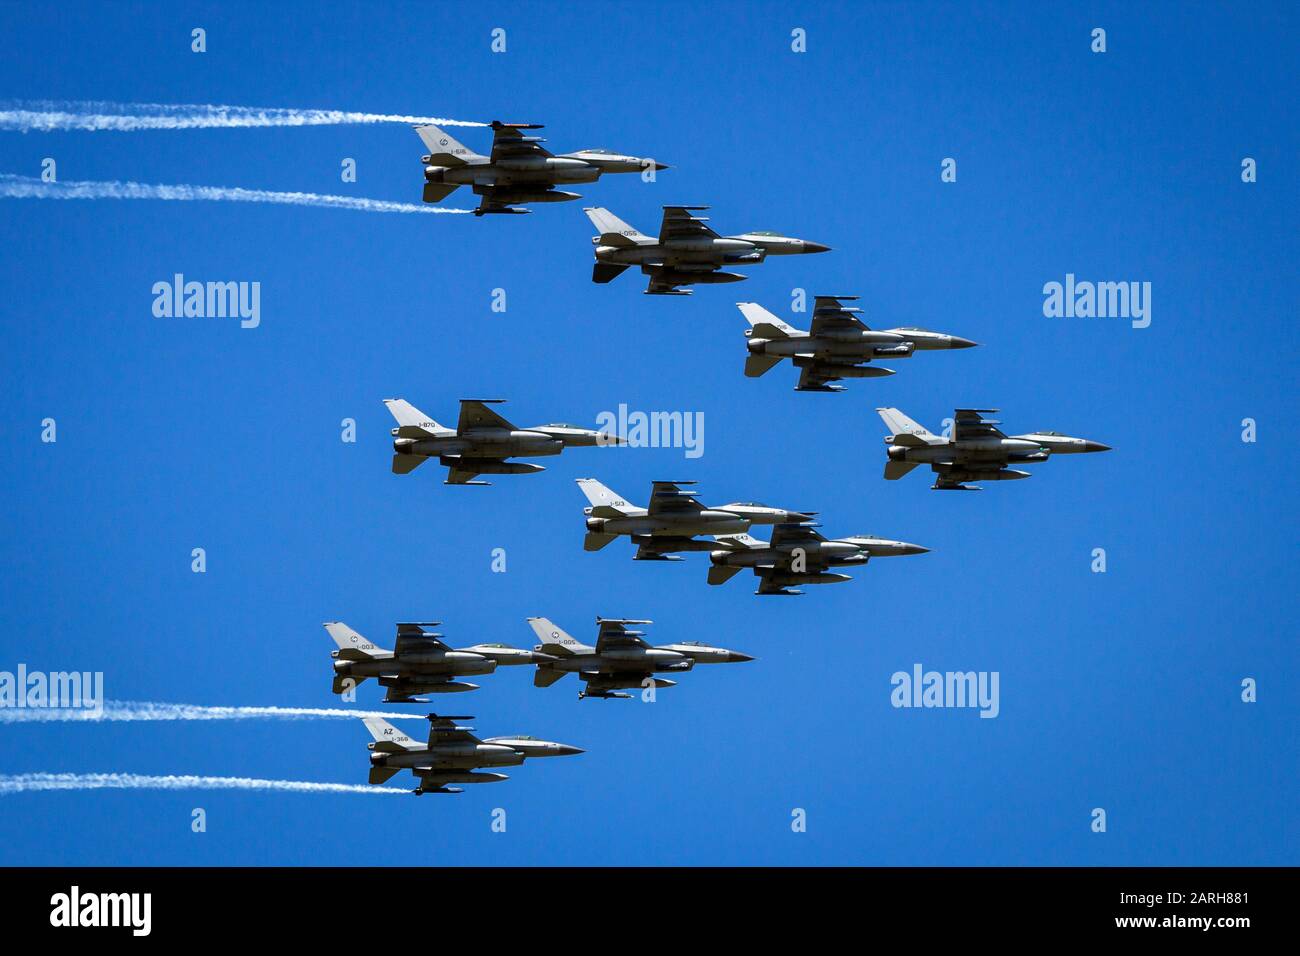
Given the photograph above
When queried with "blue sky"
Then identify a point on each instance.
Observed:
(1118, 690)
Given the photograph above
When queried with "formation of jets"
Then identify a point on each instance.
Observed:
(671, 523)
(837, 345)
(976, 451)
(421, 663)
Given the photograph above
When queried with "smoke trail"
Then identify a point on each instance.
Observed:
(130, 710)
(44, 116)
(27, 187)
(34, 782)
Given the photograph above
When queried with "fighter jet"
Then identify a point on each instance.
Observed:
(452, 755)
(518, 171)
(420, 663)
(837, 346)
(671, 521)
(481, 441)
(977, 451)
(798, 554)
(687, 251)
(620, 659)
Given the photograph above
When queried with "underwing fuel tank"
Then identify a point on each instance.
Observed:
(823, 577)
(686, 277)
(843, 371)
(483, 467)
(464, 776)
(541, 195)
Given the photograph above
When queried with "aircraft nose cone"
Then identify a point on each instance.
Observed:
(567, 751)
(659, 166)
(913, 549)
(735, 657)
(960, 343)
(815, 247)
(1095, 446)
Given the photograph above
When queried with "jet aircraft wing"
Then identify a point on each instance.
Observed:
(788, 537)
(413, 638)
(474, 413)
(830, 314)
(615, 634)
(970, 423)
(509, 142)
(669, 498)
(792, 535)
(678, 223)
(444, 730)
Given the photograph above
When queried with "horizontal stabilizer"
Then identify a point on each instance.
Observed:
(436, 192)
(405, 464)
(721, 573)
(603, 272)
(546, 676)
(897, 469)
(756, 365)
(345, 682)
(382, 774)
(594, 540)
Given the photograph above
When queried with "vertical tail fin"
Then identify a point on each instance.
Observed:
(352, 646)
(554, 639)
(389, 738)
(604, 499)
(614, 231)
(412, 423)
(444, 149)
(899, 424)
(765, 324)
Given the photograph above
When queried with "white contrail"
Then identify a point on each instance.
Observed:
(33, 782)
(45, 116)
(27, 187)
(130, 710)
